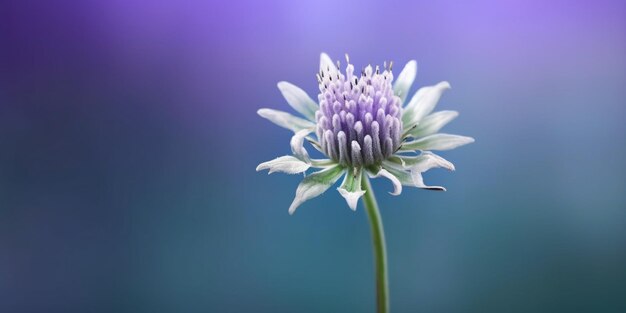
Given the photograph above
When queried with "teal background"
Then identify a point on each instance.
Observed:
(129, 139)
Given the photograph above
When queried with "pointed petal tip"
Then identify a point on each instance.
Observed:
(467, 140)
(282, 84)
(352, 198)
(396, 192)
(397, 185)
(292, 208)
(324, 57)
(261, 111)
(326, 62)
(286, 164)
(264, 166)
(314, 185)
(444, 84)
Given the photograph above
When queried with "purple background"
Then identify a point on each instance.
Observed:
(129, 138)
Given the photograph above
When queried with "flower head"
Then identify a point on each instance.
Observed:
(363, 126)
(359, 117)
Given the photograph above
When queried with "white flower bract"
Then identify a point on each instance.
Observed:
(363, 125)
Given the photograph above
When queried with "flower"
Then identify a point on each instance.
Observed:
(363, 125)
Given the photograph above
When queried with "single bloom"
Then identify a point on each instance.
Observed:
(363, 124)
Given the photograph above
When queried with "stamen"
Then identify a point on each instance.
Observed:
(368, 154)
(343, 148)
(357, 159)
(359, 121)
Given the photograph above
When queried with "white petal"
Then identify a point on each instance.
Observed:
(403, 176)
(425, 161)
(298, 100)
(437, 142)
(405, 79)
(422, 103)
(428, 160)
(286, 164)
(350, 188)
(397, 185)
(432, 123)
(418, 180)
(315, 185)
(297, 145)
(286, 120)
(411, 178)
(326, 64)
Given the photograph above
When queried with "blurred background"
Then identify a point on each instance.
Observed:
(129, 140)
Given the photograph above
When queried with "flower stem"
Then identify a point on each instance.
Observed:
(378, 242)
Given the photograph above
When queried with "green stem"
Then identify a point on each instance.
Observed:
(378, 241)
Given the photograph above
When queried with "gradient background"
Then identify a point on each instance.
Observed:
(129, 138)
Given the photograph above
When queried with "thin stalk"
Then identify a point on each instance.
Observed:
(378, 243)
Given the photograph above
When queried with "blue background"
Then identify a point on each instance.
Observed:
(129, 139)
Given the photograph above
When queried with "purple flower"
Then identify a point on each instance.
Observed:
(359, 117)
(362, 125)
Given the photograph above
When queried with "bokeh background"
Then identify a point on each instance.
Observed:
(129, 139)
